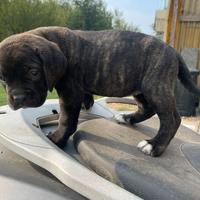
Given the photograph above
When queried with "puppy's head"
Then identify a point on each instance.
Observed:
(30, 66)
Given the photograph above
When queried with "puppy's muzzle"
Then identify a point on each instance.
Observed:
(18, 98)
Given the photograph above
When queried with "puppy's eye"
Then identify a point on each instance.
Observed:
(34, 72)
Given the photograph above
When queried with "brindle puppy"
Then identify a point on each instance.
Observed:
(107, 63)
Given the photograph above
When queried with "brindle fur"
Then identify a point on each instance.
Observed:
(107, 63)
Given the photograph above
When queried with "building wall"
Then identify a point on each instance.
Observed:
(160, 20)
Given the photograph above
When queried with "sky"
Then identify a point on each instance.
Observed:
(137, 12)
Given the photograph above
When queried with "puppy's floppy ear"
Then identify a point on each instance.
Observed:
(54, 62)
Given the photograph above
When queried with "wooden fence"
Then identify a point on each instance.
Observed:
(183, 27)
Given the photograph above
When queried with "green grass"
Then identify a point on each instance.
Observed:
(52, 95)
(2, 96)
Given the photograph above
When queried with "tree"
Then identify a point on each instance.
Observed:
(90, 15)
(120, 24)
(22, 15)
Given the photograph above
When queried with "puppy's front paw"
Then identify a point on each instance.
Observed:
(120, 119)
(58, 138)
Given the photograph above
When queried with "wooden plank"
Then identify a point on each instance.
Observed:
(179, 40)
(191, 7)
(192, 10)
(177, 11)
(196, 36)
(185, 36)
(198, 7)
(190, 18)
(178, 24)
(193, 34)
(174, 21)
(168, 26)
(198, 41)
(195, 7)
(186, 7)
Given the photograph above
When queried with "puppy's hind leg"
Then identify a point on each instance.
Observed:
(164, 105)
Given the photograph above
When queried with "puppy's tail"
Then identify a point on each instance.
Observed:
(185, 77)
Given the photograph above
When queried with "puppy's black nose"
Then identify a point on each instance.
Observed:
(19, 98)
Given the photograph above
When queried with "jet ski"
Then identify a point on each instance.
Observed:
(100, 160)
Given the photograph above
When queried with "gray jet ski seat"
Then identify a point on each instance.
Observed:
(111, 151)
